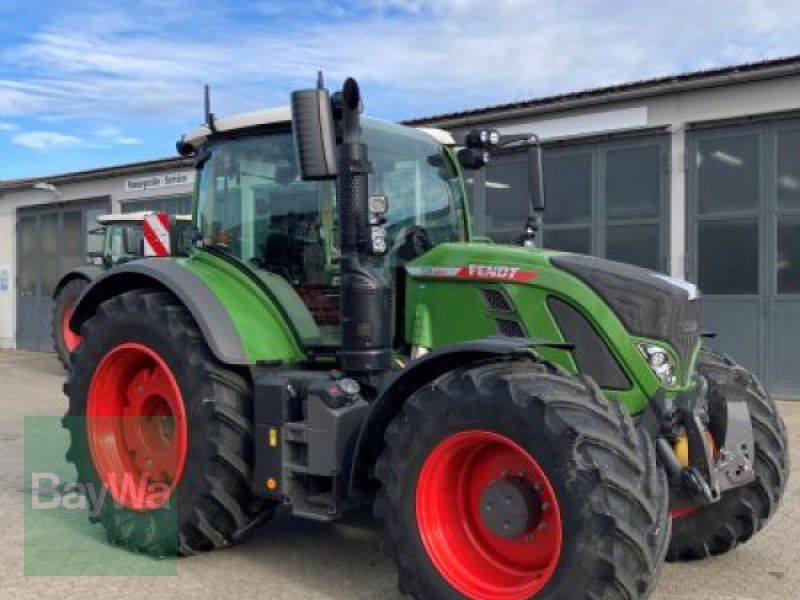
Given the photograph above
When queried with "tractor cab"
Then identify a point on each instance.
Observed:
(122, 237)
(253, 205)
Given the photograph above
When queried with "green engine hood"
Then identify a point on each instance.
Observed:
(458, 292)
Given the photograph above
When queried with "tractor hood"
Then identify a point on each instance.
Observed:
(649, 304)
(613, 296)
(481, 262)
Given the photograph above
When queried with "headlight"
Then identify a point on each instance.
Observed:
(660, 363)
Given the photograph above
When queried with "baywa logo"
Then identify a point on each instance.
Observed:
(48, 493)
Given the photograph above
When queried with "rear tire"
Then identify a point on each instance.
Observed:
(606, 495)
(64, 340)
(211, 505)
(741, 512)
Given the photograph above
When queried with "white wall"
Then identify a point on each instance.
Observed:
(106, 187)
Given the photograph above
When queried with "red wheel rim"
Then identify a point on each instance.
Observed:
(474, 560)
(71, 340)
(682, 512)
(136, 426)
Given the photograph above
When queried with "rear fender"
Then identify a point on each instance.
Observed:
(228, 339)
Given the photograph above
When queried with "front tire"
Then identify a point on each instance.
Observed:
(741, 512)
(595, 521)
(64, 341)
(149, 404)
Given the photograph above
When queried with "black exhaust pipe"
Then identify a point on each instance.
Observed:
(366, 295)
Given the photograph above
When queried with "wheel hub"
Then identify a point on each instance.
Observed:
(488, 516)
(510, 507)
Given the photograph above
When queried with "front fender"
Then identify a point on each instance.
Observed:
(241, 325)
(404, 383)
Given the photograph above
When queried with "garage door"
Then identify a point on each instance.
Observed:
(50, 241)
(744, 244)
(608, 198)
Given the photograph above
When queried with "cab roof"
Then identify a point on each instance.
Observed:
(274, 116)
(133, 217)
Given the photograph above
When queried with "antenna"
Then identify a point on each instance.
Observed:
(320, 80)
(208, 115)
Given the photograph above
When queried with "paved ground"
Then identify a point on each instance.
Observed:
(294, 559)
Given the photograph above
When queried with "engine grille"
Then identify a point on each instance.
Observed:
(496, 300)
(647, 305)
(511, 328)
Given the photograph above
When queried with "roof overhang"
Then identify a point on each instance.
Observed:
(699, 80)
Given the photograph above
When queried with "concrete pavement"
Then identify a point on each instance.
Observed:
(294, 559)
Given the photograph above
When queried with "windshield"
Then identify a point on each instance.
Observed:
(250, 190)
(253, 204)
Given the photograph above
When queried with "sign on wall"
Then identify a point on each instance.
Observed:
(164, 180)
(5, 278)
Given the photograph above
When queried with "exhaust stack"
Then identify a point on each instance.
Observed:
(366, 295)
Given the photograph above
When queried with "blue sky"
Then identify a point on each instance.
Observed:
(93, 83)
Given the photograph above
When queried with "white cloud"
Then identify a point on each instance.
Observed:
(414, 56)
(45, 140)
(112, 134)
(4, 127)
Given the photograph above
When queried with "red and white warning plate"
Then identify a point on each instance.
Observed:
(156, 235)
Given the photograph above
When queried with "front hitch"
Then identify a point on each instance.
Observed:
(709, 471)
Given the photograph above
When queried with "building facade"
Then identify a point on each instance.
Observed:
(45, 230)
(696, 175)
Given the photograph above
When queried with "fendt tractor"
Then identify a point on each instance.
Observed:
(526, 423)
(122, 242)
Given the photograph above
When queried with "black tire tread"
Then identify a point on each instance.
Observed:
(624, 551)
(69, 293)
(226, 507)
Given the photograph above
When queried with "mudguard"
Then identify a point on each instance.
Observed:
(87, 272)
(421, 371)
(208, 310)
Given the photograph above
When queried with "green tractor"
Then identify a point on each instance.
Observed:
(122, 242)
(526, 423)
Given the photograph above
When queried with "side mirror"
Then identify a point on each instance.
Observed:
(314, 138)
(535, 177)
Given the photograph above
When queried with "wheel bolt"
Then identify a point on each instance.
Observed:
(148, 463)
(139, 389)
(529, 538)
(504, 473)
(542, 526)
(537, 487)
(545, 506)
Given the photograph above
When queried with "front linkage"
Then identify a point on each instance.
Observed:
(699, 471)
